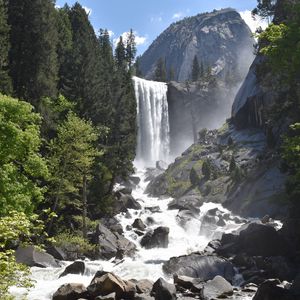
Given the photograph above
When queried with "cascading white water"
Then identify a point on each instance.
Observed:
(147, 263)
(152, 121)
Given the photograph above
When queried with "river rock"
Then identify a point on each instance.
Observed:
(138, 224)
(271, 290)
(153, 209)
(196, 265)
(216, 288)
(77, 267)
(162, 290)
(159, 238)
(56, 252)
(185, 216)
(32, 257)
(70, 291)
(186, 203)
(188, 283)
(144, 286)
(295, 289)
(262, 240)
(110, 283)
(111, 243)
(111, 296)
(112, 224)
(125, 201)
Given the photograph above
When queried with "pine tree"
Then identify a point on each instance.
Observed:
(33, 57)
(160, 71)
(120, 55)
(130, 49)
(195, 69)
(172, 73)
(5, 81)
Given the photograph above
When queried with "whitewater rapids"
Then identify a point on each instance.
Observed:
(147, 263)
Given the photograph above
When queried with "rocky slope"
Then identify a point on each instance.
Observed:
(220, 39)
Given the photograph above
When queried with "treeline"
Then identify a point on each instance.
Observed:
(72, 132)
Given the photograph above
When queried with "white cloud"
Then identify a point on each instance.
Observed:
(177, 15)
(87, 10)
(156, 19)
(253, 23)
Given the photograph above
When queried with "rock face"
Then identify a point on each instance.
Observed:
(204, 267)
(216, 39)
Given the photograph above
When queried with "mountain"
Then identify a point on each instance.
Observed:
(220, 40)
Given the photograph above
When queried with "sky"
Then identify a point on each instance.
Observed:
(148, 18)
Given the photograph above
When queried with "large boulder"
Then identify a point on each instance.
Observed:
(272, 290)
(162, 290)
(112, 243)
(108, 283)
(77, 267)
(144, 286)
(125, 201)
(32, 257)
(188, 202)
(216, 288)
(196, 265)
(70, 291)
(139, 224)
(56, 252)
(159, 238)
(262, 240)
(112, 224)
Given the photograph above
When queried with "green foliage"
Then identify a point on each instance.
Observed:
(130, 48)
(291, 155)
(5, 81)
(21, 165)
(264, 9)
(15, 226)
(160, 71)
(74, 243)
(71, 159)
(33, 56)
(207, 169)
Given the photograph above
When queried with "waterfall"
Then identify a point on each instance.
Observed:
(152, 121)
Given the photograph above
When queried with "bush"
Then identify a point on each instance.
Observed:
(74, 245)
(206, 169)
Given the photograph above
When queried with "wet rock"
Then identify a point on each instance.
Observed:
(128, 227)
(163, 290)
(139, 233)
(212, 246)
(150, 221)
(112, 224)
(204, 267)
(191, 203)
(138, 224)
(266, 219)
(111, 243)
(185, 216)
(216, 288)
(110, 283)
(221, 222)
(159, 238)
(271, 290)
(125, 201)
(295, 289)
(250, 288)
(152, 173)
(135, 179)
(280, 267)
(70, 291)
(262, 240)
(124, 190)
(32, 257)
(153, 209)
(144, 286)
(77, 267)
(188, 283)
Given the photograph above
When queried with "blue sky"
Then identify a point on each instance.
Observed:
(148, 18)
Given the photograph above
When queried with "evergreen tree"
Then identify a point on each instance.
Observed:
(195, 69)
(160, 71)
(5, 81)
(138, 71)
(120, 55)
(130, 49)
(265, 8)
(33, 57)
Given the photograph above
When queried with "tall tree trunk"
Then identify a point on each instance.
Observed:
(84, 207)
